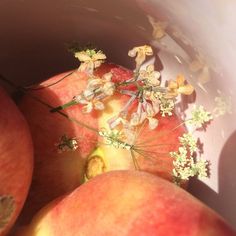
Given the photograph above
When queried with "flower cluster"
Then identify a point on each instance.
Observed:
(96, 91)
(150, 97)
(145, 100)
(199, 116)
(185, 164)
(66, 144)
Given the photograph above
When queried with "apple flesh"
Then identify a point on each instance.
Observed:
(56, 173)
(16, 162)
(127, 203)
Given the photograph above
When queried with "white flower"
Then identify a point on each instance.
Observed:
(94, 83)
(90, 55)
(147, 111)
(200, 116)
(109, 88)
(88, 94)
(178, 86)
(166, 106)
(117, 120)
(90, 59)
(137, 118)
(201, 168)
(185, 165)
(90, 102)
(187, 140)
(150, 76)
(153, 122)
(140, 53)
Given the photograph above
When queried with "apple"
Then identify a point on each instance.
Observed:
(127, 203)
(56, 171)
(16, 162)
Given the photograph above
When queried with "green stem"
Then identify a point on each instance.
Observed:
(49, 85)
(64, 106)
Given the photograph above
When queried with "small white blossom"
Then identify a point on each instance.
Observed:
(109, 88)
(178, 86)
(144, 111)
(153, 122)
(90, 59)
(200, 116)
(149, 76)
(187, 140)
(166, 106)
(185, 165)
(116, 120)
(201, 168)
(140, 53)
(97, 89)
(88, 94)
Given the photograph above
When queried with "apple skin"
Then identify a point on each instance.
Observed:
(127, 203)
(16, 158)
(56, 173)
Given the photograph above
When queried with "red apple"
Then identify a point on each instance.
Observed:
(127, 203)
(16, 162)
(57, 173)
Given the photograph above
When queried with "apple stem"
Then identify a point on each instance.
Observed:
(95, 165)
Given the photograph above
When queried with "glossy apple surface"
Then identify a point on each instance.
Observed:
(127, 203)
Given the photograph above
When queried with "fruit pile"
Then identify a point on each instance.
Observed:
(111, 155)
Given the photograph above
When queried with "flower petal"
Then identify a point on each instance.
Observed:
(186, 89)
(153, 122)
(88, 108)
(82, 56)
(107, 76)
(180, 80)
(99, 56)
(135, 118)
(88, 94)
